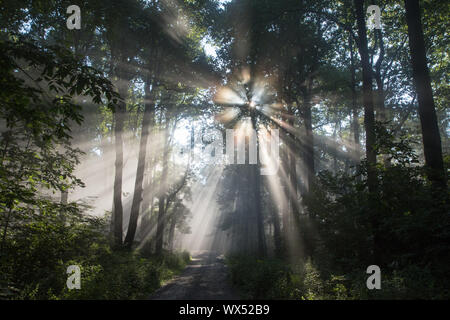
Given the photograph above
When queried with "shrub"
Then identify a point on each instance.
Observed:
(36, 263)
(412, 227)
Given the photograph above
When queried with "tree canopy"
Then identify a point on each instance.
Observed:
(119, 140)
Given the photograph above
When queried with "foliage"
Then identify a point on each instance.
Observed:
(41, 236)
(259, 279)
(276, 279)
(297, 63)
(38, 257)
(413, 264)
(37, 113)
(405, 203)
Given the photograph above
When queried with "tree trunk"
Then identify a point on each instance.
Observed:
(137, 196)
(284, 155)
(355, 113)
(277, 233)
(283, 206)
(369, 117)
(334, 151)
(369, 123)
(160, 226)
(172, 233)
(64, 197)
(380, 91)
(162, 196)
(309, 138)
(381, 109)
(256, 172)
(259, 212)
(293, 204)
(118, 166)
(119, 120)
(147, 200)
(427, 112)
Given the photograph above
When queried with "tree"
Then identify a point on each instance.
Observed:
(430, 131)
(369, 116)
(39, 111)
(121, 37)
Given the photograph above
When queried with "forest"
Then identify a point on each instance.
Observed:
(267, 149)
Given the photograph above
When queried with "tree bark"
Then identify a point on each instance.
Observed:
(162, 196)
(355, 113)
(118, 166)
(256, 172)
(381, 109)
(137, 196)
(309, 138)
(64, 197)
(119, 120)
(293, 203)
(369, 123)
(369, 117)
(172, 233)
(277, 233)
(380, 91)
(427, 112)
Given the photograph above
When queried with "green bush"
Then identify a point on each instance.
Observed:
(412, 226)
(276, 279)
(259, 279)
(38, 255)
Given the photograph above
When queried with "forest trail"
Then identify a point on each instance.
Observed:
(205, 278)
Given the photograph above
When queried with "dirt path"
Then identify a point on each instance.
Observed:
(205, 278)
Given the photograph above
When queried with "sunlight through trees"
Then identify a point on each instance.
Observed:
(300, 141)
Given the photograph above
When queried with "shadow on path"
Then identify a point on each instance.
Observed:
(205, 278)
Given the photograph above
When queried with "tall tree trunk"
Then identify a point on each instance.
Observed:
(137, 196)
(430, 131)
(293, 181)
(293, 204)
(119, 120)
(369, 117)
(355, 113)
(147, 199)
(119, 115)
(334, 151)
(381, 109)
(283, 180)
(283, 206)
(380, 91)
(369, 123)
(160, 225)
(277, 232)
(259, 212)
(256, 173)
(172, 233)
(162, 196)
(308, 149)
(64, 197)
